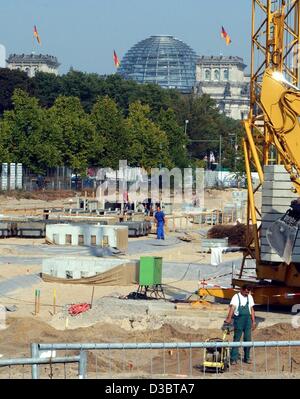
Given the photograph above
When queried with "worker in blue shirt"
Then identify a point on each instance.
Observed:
(160, 222)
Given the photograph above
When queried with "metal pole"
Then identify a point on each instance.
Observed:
(82, 365)
(185, 126)
(34, 361)
(171, 345)
(220, 159)
(235, 147)
(92, 299)
(35, 368)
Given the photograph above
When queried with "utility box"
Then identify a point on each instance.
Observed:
(150, 270)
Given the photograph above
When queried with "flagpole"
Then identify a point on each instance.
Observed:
(33, 44)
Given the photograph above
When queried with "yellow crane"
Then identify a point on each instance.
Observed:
(272, 136)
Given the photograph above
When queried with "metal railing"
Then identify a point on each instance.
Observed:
(151, 360)
(9, 367)
(280, 359)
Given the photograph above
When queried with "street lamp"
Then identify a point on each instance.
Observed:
(185, 125)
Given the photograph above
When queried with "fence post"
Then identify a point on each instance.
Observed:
(35, 367)
(82, 365)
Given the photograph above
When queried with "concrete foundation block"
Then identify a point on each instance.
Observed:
(275, 169)
(88, 235)
(278, 185)
(284, 176)
(278, 193)
(74, 268)
(279, 209)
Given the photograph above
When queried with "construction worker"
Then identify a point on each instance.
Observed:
(242, 312)
(160, 222)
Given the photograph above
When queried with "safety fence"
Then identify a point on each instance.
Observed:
(44, 367)
(195, 221)
(210, 359)
(273, 359)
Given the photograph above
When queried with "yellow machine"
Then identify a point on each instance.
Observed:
(272, 138)
(216, 359)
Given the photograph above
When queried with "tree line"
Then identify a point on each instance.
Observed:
(81, 119)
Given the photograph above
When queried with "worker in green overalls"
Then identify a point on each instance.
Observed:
(242, 311)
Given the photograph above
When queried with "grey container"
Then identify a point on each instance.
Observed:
(208, 243)
(137, 229)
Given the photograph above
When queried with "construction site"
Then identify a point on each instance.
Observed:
(76, 292)
(90, 290)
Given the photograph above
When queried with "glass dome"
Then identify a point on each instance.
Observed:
(161, 59)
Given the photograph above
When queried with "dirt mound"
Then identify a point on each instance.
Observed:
(16, 338)
(278, 332)
(237, 235)
(15, 342)
(47, 195)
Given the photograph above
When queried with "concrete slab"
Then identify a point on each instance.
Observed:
(79, 267)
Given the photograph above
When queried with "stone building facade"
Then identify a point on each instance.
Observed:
(224, 79)
(33, 63)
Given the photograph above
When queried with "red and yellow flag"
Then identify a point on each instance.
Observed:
(36, 35)
(116, 60)
(225, 36)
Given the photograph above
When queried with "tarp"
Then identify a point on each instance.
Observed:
(122, 275)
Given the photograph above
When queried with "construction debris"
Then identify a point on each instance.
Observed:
(189, 237)
(236, 234)
(76, 309)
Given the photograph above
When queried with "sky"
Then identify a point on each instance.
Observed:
(82, 34)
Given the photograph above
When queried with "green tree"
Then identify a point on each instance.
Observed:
(5, 140)
(78, 142)
(109, 124)
(9, 81)
(47, 88)
(206, 124)
(28, 134)
(176, 136)
(149, 146)
(84, 86)
(232, 133)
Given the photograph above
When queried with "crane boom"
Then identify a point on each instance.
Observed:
(272, 138)
(272, 128)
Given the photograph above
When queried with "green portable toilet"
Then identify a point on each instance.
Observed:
(150, 270)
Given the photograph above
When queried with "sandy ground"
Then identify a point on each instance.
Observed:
(67, 294)
(115, 319)
(212, 199)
